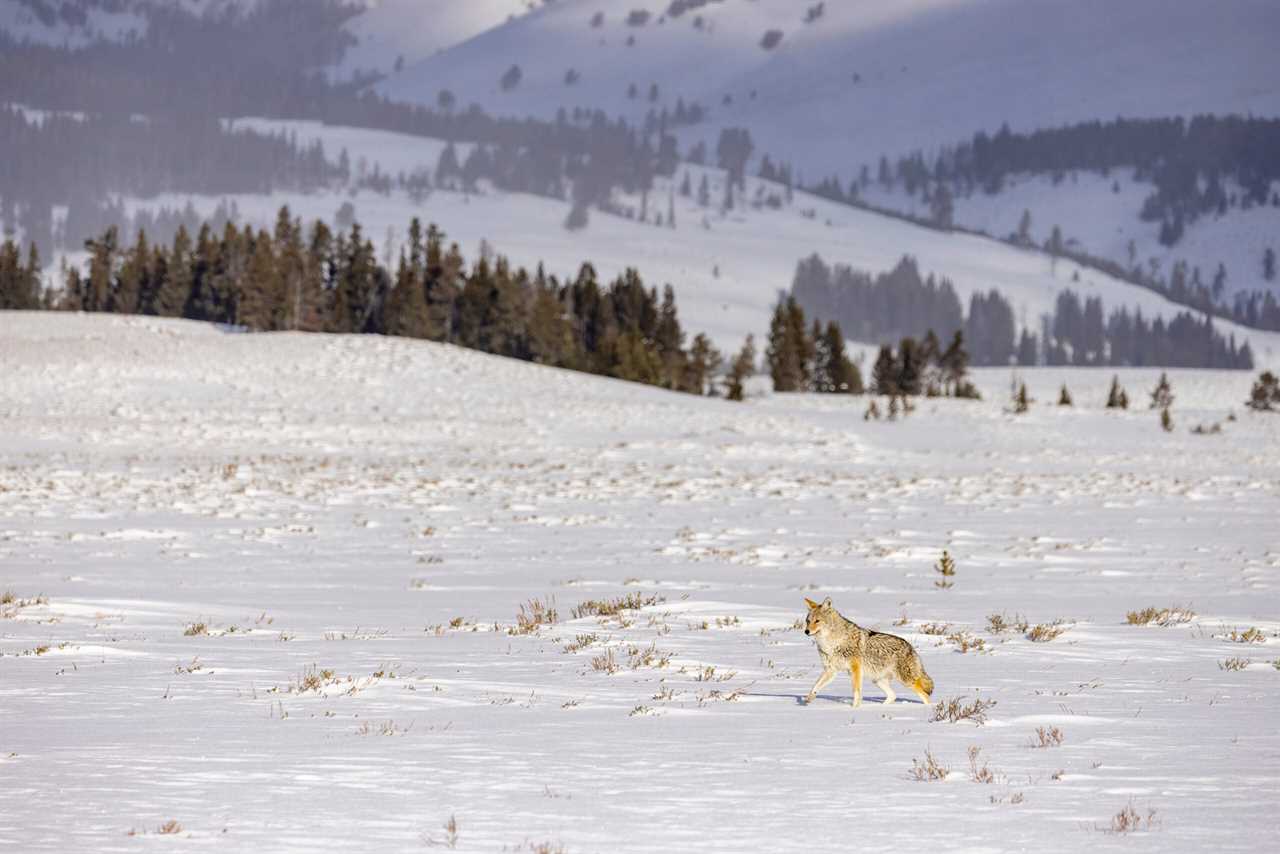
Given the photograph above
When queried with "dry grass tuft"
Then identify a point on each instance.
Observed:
(1233, 664)
(955, 710)
(194, 629)
(928, 770)
(605, 662)
(169, 827)
(612, 607)
(10, 604)
(1251, 635)
(1173, 616)
(1047, 737)
(647, 656)
(540, 612)
(935, 628)
(313, 679)
(581, 642)
(1045, 632)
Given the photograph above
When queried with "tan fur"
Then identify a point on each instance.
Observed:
(882, 657)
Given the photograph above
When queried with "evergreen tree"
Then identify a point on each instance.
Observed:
(1116, 398)
(1021, 401)
(886, 373)
(742, 367)
(1265, 394)
(841, 374)
(1064, 397)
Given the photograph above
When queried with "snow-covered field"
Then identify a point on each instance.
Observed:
(357, 521)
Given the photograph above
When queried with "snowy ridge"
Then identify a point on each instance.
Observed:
(265, 594)
(929, 72)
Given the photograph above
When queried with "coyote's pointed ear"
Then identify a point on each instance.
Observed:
(826, 603)
(813, 606)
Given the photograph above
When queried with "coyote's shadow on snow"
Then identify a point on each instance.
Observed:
(834, 698)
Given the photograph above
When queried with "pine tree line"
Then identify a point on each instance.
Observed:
(321, 280)
(804, 358)
(902, 304)
(1082, 334)
(924, 368)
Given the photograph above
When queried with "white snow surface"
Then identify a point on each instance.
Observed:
(328, 505)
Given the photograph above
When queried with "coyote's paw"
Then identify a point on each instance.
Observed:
(807, 700)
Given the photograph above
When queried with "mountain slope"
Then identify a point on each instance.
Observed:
(928, 72)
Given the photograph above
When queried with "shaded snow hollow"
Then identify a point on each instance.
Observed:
(326, 505)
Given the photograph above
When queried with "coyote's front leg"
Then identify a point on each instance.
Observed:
(827, 675)
(856, 672)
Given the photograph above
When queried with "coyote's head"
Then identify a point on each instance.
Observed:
(818, 613)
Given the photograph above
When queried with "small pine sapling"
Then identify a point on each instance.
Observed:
(1116, 398)
(1064, 397)
(946, 567)
(1162, 394)
(1021, 401)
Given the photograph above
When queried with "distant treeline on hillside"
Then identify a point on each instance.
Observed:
(1189, 164)
(1187, 161)
(75, 161)
(902, 303)
(315, 279)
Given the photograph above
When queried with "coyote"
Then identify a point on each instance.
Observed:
(844, 645)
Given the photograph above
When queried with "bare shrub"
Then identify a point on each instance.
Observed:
(998, 624)
(979, 772)
(1128, 820)
(965, 642)
(955, 709)
(928, 770)
(1047, 737)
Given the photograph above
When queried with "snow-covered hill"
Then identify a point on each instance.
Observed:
(726, 269)
(870, 78)
(1099, 214)
(262, 592)
(396, 32)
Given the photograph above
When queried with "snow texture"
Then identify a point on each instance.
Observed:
(357, 521)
